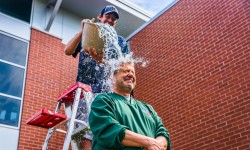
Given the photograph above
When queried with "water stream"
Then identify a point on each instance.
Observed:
(113, 56)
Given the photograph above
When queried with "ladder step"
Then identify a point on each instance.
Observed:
(46, 119)
(69, 94)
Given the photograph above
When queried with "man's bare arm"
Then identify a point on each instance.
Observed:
(133, 139)
(163, 141)
(72, 44)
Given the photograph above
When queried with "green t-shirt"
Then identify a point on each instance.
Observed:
(111, 114)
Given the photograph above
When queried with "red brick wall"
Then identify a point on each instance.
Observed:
(49, 73)
(198, 79)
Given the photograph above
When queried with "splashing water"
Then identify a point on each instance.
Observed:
(113, 56)
(110, 38)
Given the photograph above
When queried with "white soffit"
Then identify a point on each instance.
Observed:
(132, 9)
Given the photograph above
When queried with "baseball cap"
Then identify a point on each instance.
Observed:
(110, 9)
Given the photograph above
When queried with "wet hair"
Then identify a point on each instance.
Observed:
(121, 64)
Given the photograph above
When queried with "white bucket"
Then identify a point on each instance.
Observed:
(91, 38)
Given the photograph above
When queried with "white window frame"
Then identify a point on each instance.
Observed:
(24, 80)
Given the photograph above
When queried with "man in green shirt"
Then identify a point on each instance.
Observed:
(118, 121)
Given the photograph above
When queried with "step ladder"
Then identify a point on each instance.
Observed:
(54, 120)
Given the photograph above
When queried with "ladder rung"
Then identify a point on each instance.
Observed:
(60, 130)
(77, 130)
(80, 121)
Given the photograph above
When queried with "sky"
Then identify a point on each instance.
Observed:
(151, 6)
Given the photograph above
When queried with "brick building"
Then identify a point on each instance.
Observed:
(198, 78)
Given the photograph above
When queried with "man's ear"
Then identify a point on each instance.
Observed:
(99, 17)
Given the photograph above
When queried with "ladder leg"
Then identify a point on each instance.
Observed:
(51, 130)
(49, 134)
(75, 145)
(72, 120)
(58, 106)
(88, 99)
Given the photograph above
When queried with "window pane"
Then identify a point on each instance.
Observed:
(11, 79)
(9, 111)
(20, 9)
(13, 50)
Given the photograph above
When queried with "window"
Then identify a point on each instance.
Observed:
(20, 9)
(13, 50)
(13, 55)
(9, 111)
(11, 79)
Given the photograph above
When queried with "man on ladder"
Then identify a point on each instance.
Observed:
(89, 61)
